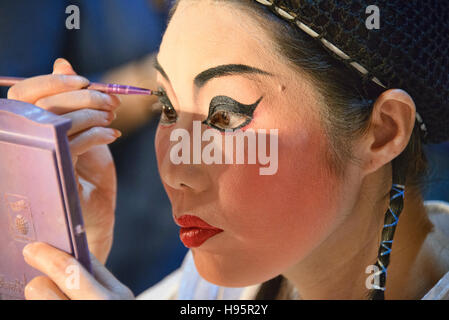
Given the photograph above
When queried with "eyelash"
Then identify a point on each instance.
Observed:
(168, 115)
(218, 118)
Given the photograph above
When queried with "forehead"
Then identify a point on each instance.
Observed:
(204, 34)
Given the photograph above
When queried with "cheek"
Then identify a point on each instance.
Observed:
(298, 202)
(272, 222)
(162, 147)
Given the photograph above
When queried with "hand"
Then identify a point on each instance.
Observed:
(91, 112)
(67, 279)
(136, 110)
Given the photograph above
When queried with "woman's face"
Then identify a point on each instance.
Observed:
(269, 222)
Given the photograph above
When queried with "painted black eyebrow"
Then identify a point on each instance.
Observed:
(215, 72)
(226, 70)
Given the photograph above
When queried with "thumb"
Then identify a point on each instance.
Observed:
(62, 66)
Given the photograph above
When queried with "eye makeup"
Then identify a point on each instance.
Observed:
(227, 114)
(168, 115)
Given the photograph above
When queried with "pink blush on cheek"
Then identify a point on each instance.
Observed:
(293, 206)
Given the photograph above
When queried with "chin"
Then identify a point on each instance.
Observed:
(230, 271)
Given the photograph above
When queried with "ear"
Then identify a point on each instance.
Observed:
(390, 129)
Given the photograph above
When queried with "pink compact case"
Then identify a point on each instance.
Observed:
(38, 192)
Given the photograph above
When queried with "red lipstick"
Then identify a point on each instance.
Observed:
(195, 231)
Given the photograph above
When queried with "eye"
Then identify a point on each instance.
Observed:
(168, 115)
(225, 113)
(223, 119)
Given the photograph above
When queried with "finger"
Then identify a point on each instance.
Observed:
(108, 280)
(88, 172)
(65, 271)
(78, 99)
(88, 118)
(43, 288)
(95, 136)
(62, 66)
(32, 89)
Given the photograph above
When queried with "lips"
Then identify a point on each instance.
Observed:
(195, 231)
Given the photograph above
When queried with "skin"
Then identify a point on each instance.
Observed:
(318, 230)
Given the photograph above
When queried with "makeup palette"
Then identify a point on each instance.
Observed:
(38, 192)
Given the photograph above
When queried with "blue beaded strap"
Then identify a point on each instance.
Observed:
(386, 247)
(387, 244)
(395, 222)
(399, 189)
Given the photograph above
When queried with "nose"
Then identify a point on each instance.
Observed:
(185, 176)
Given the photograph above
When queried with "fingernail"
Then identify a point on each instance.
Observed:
(29, 291)
(111, 116)
(83, 80)
(27, 250)
(111, 101)
(62, 61)
(74, 80)
(114, 132)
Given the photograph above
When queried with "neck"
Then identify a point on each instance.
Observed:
(337, 269)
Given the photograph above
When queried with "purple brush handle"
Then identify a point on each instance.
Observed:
(118, 89)
(109, 88)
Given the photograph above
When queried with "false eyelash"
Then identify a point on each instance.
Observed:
(163, 98)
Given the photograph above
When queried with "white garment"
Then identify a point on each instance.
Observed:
(186, 284)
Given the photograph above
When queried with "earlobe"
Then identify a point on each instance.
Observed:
(390, 129)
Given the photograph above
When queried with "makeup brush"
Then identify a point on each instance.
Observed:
(103, 87)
